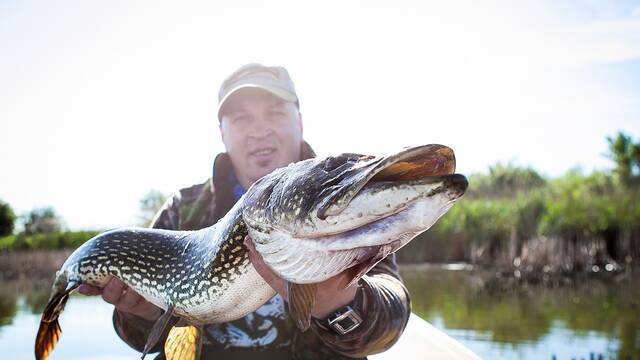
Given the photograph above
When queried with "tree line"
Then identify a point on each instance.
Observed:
(44, 228)
(511, 216)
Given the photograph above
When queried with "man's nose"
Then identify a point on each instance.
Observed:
(260, 128)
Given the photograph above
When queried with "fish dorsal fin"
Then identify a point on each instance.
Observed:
(302, 298)
(183, 343)
(158, 329)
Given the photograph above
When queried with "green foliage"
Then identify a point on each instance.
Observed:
(505, 181)
(43, 231)
(490, 220)
(502, 210)
(48, 241)
(511, 205)
(7, 219)
(580, 206)
(626, 156)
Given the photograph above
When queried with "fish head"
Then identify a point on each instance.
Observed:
(371, 204)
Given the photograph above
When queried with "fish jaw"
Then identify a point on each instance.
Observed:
(312, 259)
(381, 200)
(411, 163)
(315, 189)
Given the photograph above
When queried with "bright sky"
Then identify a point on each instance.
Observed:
(101, 101)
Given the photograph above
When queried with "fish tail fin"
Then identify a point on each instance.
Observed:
(49, 331)
(48, 335)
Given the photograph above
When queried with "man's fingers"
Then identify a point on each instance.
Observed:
(257, 261)
(86, 289)
(248, 242)
(128, 300)
(146, 310)
(113, 291)
(267, 274)
(123, 298)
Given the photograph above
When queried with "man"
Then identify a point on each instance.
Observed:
(261, 128)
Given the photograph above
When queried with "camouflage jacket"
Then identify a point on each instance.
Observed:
(269, 333)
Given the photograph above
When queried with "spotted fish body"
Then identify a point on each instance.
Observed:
(206, 274)
(309, 221)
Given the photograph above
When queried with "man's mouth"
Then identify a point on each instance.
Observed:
(262, 152)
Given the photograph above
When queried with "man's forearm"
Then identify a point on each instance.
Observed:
(386, 312)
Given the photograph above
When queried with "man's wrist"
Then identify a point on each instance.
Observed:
(347, 317)
(323, 309)
(148, 313)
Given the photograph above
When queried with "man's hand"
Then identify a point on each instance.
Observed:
(124, 299)
(328, 299)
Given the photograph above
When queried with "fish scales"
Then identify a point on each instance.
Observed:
(189, 270)
(309, 221)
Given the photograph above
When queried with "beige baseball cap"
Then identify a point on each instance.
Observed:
(274, 79)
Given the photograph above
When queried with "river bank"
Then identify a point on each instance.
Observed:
(42, 264)
(31, 264)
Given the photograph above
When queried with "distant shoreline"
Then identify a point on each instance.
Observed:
(42, 264)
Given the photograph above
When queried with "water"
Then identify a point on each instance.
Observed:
(500, 318)
(497, 318)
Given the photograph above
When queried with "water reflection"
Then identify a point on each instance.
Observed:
(8, 308)
(34, 292)
(473, 306)
(513, 313)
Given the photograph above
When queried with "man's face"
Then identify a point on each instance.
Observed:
(260, 132)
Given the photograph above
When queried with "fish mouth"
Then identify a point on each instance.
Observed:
(425, 163)
(373, 189)
(367, 207)
(409, 215)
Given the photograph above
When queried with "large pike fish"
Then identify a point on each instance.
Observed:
(310, 221)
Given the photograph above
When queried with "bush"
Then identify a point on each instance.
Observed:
(504, 181)
(47, 241)
(7, 219)
(510, 206)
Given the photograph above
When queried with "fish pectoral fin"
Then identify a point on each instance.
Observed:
(158, 329)
(183, 343)
(354, 273)
(302, 298)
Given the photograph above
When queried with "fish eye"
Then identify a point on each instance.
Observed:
(333, 163)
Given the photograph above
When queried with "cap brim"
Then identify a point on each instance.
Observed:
(279, 92)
